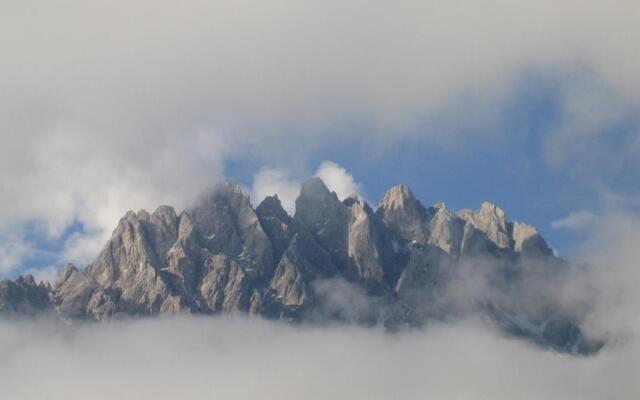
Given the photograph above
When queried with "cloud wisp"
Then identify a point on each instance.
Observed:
(577, 220)
(243, 359)
(338, 179)
(270, 181)
(279, 181)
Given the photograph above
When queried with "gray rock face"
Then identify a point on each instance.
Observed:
(527, 241)
(491, 220)
(211, 258)
(276, 223)
(364, 246)
(326, 217)
(292, 284)
(124, 277)
(222, 256)
(447, 230)
(403, 214)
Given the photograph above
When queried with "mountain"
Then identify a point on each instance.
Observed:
(401, 265)
(24, 297)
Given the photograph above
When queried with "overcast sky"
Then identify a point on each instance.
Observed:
(107, 106)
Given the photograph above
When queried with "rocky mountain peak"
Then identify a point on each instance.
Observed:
(491, 220)
(492, 210)
(315, 189)
(229, 187)
(276, 223)
(166, 214)
(24, 297)
(527, 241)
(27, 279)
(446, 229)
(522, 232)
(316, 205)
(65, 274)
(351, 200)
(440, 206)
(399, 196)
(271, 206)
(224, 256)
(405, 216)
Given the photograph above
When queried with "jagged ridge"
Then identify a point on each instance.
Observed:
(223, 256)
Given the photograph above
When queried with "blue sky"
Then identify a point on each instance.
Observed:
(505, 162)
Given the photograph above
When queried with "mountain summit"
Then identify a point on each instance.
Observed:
(400, 265)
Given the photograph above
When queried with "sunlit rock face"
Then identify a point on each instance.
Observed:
(403, 264)
(403, 214)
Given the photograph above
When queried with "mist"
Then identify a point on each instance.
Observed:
(239, 357)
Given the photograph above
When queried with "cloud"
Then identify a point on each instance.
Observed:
(13, 250)
(245, 359)
(82, 248)
(337, 179)
(96, 120)
(576, 220)
(597, 131)
(340, 300)
(278, 180)
(44, 274)
(611, 280)
(270, 181)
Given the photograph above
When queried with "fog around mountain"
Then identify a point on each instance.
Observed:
(245, 359)
(403, 265)
(242, 357)
(228, 292)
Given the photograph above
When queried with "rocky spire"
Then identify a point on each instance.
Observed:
(527, 241)
(316, 204)
(446, 230)
(276, 223)
(364, 246)
(225, 222)
(303, 262)
(326, 217)
(403, 214)
(491, 220)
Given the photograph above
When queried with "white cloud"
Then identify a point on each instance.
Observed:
(597, 131)
(576, 220)
(96, 120)
(247, 359)
(82, 248)
(337, 179)
(44, 274)
(611, 282)
(278, 180)
(270, 181)
(13, 250)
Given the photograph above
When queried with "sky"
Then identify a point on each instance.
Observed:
(109, 106)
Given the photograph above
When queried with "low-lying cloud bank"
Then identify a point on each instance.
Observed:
(240, 358)
(248, 358)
